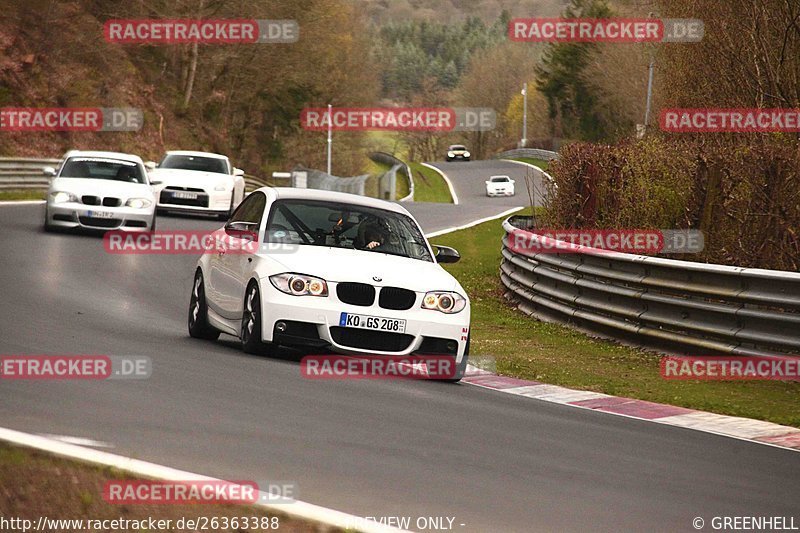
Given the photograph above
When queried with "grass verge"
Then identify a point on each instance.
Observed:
(34, 484)
(429, 185)
(22, 194)
(541, 163)
(556, 354)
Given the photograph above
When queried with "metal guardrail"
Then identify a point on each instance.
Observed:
(25, 172)
(28, 173)
(701, 308)
(533, 153)
(389, 159)
(252, 183)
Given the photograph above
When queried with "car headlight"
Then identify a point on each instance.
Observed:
(299, 284)
(138, 203)
(222, 187)
(60, 197)
(466, 154)
(451, 154)
(445, 301)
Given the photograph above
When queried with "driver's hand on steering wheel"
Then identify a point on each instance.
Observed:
(373, 244)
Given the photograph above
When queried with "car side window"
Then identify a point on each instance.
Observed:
(251, 209)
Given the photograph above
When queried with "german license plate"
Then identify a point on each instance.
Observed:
(375, 323)
(100, 214)
(183, 195)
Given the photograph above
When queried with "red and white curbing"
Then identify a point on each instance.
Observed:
(730, 426)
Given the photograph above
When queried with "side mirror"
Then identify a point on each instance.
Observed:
(242, 230)
(150, 165)
(238, 172)
(445, 254)
(49, 171)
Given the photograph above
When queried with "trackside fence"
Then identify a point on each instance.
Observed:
(704, 309)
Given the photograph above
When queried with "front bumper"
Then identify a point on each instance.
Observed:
(314, 321)
(77, 215)
(207, 202)
(499, 193)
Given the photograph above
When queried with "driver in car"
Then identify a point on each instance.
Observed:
(377, 235)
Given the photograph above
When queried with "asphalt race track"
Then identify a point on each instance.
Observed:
(494, 462)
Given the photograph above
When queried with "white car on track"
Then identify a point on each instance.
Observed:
(500, 186)
(330, 270)
(197, 182)
(100, 190)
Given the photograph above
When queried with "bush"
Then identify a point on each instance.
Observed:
(744, 197)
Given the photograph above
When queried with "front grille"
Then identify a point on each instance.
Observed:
(355, 293)
(200, 201)
(365, 339)
(111, 202)
(90, 200)
(100, 222)
(397, 298)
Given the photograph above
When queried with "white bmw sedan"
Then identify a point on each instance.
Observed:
(331, 271)
(102, 191)
(197, 182)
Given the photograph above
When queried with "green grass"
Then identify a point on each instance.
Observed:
(526, 348)
(23, 194)
(372, 185)
(541, 163)
(429, 185)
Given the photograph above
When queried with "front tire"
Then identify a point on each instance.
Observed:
(199, 328)
(251, 321)
(49, 228)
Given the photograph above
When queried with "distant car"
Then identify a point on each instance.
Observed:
(500, 186)
(100, 190)
(337, 271)
(197, 182)
(458, 152)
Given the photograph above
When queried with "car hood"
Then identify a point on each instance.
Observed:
(176, 177)
(337, 265)
(98, 187)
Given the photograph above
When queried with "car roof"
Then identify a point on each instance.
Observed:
(197, 154)
(102, 154)
(457, 146)
(291, 193)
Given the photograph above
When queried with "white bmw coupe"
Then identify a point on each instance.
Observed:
(330, 271)
(102, 191)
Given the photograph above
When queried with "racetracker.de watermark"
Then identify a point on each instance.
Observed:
(735, 120)
(398, 119)
(190, 242)
(631, 241)
(609, 30)
(180, 492)
(209, 31)
(74, 367)
(730, 368)
(378, 367)
(71, 119)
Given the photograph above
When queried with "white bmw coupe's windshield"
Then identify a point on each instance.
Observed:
(339, 225)
(102, 169)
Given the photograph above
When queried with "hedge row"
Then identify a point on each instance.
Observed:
(744, 197)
